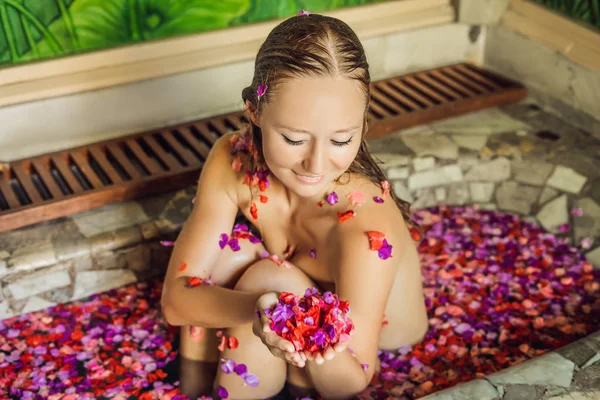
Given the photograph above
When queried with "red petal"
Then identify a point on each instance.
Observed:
(345, 216)
(376, 239)
(183, 266)
(263, 199)
(232, 342)
(254, 211)
(193, 282)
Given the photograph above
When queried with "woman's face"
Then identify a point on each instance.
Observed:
(312, 131)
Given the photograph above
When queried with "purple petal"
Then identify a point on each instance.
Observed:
(222, 392)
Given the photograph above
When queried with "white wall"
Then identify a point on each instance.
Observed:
(63, 122)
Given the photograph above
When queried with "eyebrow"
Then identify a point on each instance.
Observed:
(304, 131)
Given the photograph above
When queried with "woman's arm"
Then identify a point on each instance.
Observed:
(365, 280)
(196, 252)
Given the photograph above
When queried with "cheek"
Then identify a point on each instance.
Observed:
(278, 154)
(345, 159)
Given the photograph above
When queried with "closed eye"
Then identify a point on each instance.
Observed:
(293, 143)
(340, 144)
(334, 142)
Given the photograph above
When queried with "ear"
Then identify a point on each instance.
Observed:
(251, 113)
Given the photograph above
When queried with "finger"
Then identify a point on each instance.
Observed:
(329, 354)
(319, 359)
(277, 353)
(303, 355)
(292, 358)
(267, 300)
(277, 341)
(266, 322)
(308, 355)
(285, 345)
(340, 347)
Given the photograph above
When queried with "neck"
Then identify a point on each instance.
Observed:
(296, 203)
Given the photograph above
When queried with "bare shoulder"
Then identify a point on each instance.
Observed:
(370, 216)
(225, 164)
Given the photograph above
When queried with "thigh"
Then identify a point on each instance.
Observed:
(270, 370)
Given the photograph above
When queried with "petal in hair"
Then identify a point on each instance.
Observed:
(385, 186)
(237, 164)
(254, 211)
(261, 90)
(304, 12)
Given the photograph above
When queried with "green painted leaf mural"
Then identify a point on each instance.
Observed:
(32, 30)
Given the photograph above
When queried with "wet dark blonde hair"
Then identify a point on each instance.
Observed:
(315, 45)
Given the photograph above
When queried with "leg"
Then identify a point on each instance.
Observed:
(271, 371)
(198, 346)
(198, 343)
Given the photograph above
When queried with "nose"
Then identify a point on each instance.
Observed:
(314, 160)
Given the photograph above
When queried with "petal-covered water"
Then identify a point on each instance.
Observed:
(499, 291)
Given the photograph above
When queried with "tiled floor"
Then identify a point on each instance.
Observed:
(519, 160)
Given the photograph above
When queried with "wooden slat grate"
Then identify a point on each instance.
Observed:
(62, 183)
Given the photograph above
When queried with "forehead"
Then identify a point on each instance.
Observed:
(323, 102)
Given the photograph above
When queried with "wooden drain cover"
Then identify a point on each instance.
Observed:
(58, 184)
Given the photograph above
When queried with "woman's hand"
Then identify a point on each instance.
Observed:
(277, 345)
(329, 354)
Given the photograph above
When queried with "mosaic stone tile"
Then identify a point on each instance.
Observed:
(32, 257)
(110, 218)
(437, 177)
(531, 172)
(423, 163)
(514, 197)
(482, 123)
(39, 282)
(554, 213)
(89, 282)
(402, 192)
(397, 173)
(497, 170)
(471, 142)
(481, 192)
(433, 145)
(478, 389)
(566, 179)
(588, 224)
(547, 194)
(547, 369)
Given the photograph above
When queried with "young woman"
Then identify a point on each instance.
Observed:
(302, 174)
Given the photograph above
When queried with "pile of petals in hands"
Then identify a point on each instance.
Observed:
(499, 291)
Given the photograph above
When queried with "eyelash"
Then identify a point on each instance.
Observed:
(339, 144)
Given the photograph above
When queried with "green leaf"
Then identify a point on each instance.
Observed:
(181, 17)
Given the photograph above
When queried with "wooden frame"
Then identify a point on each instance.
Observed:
(128, 64)
(571, 39)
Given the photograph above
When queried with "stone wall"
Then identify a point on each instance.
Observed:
(545, 69)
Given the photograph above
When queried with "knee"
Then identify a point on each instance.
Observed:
(267, 275)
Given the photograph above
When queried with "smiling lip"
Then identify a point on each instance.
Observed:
(309, 179)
